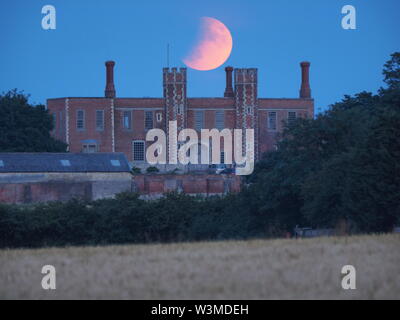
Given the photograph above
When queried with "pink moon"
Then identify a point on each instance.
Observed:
(213, 48)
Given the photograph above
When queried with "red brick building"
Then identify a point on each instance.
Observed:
(113, 124)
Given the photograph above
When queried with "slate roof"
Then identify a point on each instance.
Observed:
(63, 162)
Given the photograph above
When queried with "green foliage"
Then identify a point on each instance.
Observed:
(391, 71)
(152, 170)
(341, 166)
(136, 170)
(126, 219)
(25, 128)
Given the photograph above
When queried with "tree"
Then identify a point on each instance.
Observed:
(361, 182)
(342, 165)
(25, 127)
(391, 71)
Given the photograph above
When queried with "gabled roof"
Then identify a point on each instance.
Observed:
(63, 162)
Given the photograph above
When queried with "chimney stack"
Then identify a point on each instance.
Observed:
(305, 91)
(229, 90)
(110, 89)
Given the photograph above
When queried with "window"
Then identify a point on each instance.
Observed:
(54, 120)
(138, 151)
(222, 157)
(99, 120)
(180, 109)
(272, 120)
(199, 120)
(159, 117)
(90, 148)
(80, 119)
(65, 163)
(127, 120)
(291, 117)
(148, 120)
(220, 119)
(61, 126)
(115, 163)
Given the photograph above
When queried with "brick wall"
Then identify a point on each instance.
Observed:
(267, 138)
(157, 185)
(43, 187)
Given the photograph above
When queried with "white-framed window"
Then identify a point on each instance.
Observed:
(199, 120)
(127, 120)
(54, 116)
(220, 119)
(292, 115)
(138, 151)
(90, 148)
(61, 122)
(148, 120)
(159, 116)
(272, 120)
(222, 157)
(99, 120)
(80, 119)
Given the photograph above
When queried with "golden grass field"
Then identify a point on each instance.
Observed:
(259, 269)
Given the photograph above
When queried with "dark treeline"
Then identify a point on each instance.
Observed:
(25, 127)
(341, 168)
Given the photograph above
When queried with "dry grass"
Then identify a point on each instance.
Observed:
(275, 269)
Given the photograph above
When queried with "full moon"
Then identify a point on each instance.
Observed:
(213, 47)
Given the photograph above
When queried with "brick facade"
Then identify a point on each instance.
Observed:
(124, 119)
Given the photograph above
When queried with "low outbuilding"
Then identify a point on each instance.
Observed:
(41, 177)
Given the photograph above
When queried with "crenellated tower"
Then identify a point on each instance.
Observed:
(246, 103)
(174, 85)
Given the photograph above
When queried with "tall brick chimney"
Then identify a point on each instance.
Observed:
(110, 89)
(229, 90)
(305, 91)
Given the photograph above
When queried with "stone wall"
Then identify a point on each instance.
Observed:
(22, 188)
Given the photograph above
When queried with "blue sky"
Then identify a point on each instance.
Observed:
(273, 36)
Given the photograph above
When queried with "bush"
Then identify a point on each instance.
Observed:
(136, 170)
(152, 170)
